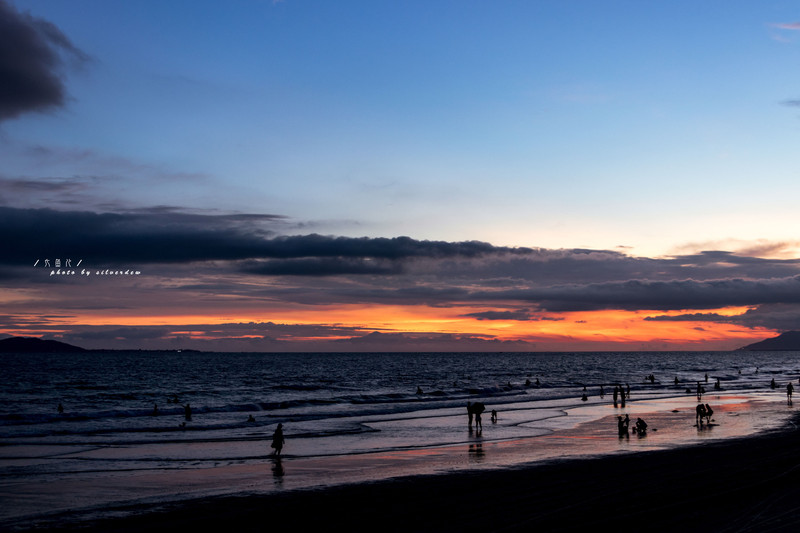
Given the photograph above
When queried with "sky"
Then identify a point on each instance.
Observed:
(300, 175)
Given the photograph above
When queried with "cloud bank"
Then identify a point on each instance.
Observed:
(33, 53)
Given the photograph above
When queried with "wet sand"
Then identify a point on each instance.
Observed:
(738, 484)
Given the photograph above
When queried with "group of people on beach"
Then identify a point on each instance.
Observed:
(703, 411)
(621, 393)
(640, 428)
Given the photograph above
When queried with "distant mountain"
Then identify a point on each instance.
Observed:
(35, 345)
(789, 341)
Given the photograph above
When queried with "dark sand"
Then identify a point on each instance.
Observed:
(746, 484)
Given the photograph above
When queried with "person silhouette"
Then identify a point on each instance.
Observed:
(278, 439)
(60, 409)
(709, 412)
(470, 414)
(699, 413)
(477, 409)
(622, 426)
(187, 412)
(789, 390)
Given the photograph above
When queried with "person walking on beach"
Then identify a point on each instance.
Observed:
(278, 440)
(469, 414)
(616, 394)
(789, 391)
(477, 409)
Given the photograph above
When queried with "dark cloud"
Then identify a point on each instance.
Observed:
(430, 341)
(522, 315)
(657, 295)
(323, 267)
(32, 54)
(164, 236)
(791, 103)
(779, 317)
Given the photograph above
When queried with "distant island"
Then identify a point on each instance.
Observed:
(36, 345)
(788, 341)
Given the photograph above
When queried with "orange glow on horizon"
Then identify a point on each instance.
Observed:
(584, 328)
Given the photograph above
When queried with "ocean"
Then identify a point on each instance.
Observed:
(124, 412)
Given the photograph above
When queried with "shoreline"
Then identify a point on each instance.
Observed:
(742, 484)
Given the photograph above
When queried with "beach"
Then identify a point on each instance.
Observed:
(364, 447)
(712, 484)
(746, 484)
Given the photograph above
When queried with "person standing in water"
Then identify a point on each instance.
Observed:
(278, 439)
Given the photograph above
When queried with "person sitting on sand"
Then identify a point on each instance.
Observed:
(278, 440)
(641, 426)
(709, 412)
(700, 412)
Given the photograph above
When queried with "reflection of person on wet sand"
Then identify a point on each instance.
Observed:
(278, 440)
(277, 468)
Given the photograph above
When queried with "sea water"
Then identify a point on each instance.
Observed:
(125, 411)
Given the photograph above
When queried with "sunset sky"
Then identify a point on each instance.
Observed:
(304, 175)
